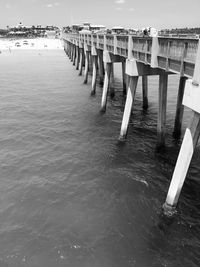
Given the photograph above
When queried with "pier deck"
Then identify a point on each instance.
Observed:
(172, 54)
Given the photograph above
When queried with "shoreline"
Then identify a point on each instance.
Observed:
(32, 43)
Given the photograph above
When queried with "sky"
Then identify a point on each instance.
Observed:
(137, 14)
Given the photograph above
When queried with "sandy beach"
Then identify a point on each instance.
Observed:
(39, 43)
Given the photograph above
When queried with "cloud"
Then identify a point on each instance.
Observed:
(131, 9)
(7, 6)
(118, 8)
(53, 4)
(120, 1)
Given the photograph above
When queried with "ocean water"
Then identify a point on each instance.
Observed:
(70, 193)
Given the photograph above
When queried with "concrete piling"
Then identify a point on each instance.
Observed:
(132, 85)
(74, 55)
(94, 69)
(162, 102)
(124, 78)
(106, 86)
(185, 155)
(77, 57)
(81, 52)
(86, 66)
(112, 88)
(179, 108)
(101, 66)
(145, 91)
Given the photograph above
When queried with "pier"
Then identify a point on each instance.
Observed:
(145, 56)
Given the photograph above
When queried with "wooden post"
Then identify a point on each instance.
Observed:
(86, 66)
(185, 155)
(132, 85)
(179, 108)
(77, 57)
(161, 126)
(124, 78)
(81, 52)
(106, 86)
(145, 91)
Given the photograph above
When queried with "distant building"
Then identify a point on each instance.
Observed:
(96, 28)
(118, 30)
(86, 27)
(76, 27)
(33, 31)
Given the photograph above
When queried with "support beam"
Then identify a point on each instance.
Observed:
(94, 74)
(185, 155)
(132, 85)
(161, 126)
(179, 108)
(106, 86)
(145, 91)
(87, 58)
(124, 78)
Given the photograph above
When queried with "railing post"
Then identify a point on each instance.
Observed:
(154, 52)
(196, 75)
(115, 44)
(130, 47)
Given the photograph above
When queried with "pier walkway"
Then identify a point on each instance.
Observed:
(144, 56)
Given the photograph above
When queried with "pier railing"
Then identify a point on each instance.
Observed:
(176, 54)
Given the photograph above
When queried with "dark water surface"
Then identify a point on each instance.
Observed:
(70, 194)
